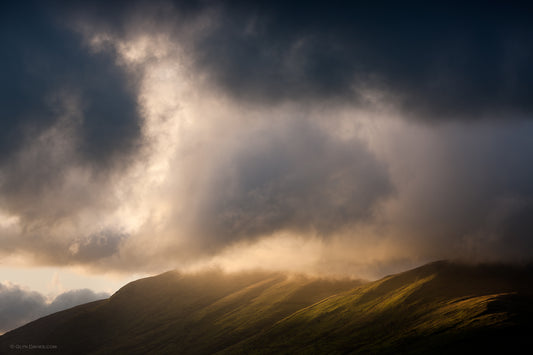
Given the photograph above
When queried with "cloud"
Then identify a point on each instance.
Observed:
(434, 62)
(165, 134)
(463, 190)
(69, 116)
(292, 176)
(97, 245)
(19, 306)
(70, 120)
(73, 298)
(51, 73)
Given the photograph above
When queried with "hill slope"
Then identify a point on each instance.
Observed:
(438, 307)
(175, 313)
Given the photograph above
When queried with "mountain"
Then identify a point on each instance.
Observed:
(440, 307)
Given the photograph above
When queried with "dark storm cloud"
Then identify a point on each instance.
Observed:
(19, 306)
(435, 60)
(289, 177)
(44, 64)
(69, 120)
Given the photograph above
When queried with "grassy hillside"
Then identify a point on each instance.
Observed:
(175, 313)
(440, 307)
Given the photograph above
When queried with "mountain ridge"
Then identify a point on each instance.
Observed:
(438, 306)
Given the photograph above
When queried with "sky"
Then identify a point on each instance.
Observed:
(331, 138)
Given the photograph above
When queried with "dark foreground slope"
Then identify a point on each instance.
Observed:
(441, 307)
(177, 314)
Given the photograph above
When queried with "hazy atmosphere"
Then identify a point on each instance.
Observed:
(324, 138)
